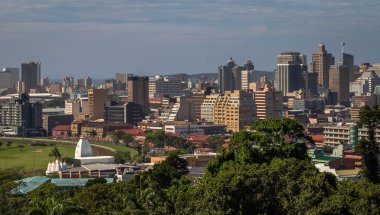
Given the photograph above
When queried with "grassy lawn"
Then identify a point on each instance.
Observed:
(30, 157)
(37, 157)
(118, 148)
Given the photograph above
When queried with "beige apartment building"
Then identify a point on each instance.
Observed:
(97, 98)
(207, 107)
(268, 103)
(235, 109)
(78, 107)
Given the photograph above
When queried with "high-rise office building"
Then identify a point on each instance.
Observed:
(31, 75)
(123, 113)
(290, 66)
(138, 92)
(122, 77)
(321, 62)
(339, 82)
(310, 82)
(230, 76)
(160, 86)
(20, 117)
(268, 103)
(97, 98)
(348, 60)
(9, 77)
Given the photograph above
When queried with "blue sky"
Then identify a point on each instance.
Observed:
(146, 37)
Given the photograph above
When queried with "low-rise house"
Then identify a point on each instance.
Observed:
(62, 131)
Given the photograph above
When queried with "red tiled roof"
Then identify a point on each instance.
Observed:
(198, 138)
(170, 148)
(62, 128)
(135, 132)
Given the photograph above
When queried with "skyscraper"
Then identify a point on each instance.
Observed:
(339, 82)
(321, 62)
(348, 60)
(290, 66)
(230, 76)
(138, 92)
(31, 75)
(310, 82)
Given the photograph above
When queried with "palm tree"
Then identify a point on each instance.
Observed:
(55, 153)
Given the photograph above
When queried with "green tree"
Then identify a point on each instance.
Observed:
(127, 138)
(115, 198)
(156, 137)
(270, 138)
(162, 174)
(10, 202)
(122, 157)
(117, 136)
(359, 197)
(68, 160)
(51, 206)
(97, 180)
(369, 118)
(93, 133)
(215, 142)
(284, 186)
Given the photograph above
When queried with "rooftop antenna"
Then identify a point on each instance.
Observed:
(342, 50)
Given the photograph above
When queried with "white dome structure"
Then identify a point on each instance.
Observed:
(83, 149)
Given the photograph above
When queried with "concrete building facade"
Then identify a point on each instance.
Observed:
(97, 98)
(321, 62)
(290, 66)
(31, 75)
(9, 77)
(235, 109)
(138, 92)
(339, 82)
(268, 103)
(19, 117)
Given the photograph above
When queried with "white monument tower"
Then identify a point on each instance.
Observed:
(83, 148)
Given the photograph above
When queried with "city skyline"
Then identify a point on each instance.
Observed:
(97, 38)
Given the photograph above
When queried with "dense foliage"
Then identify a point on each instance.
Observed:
(369, 149)
(265, 171)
